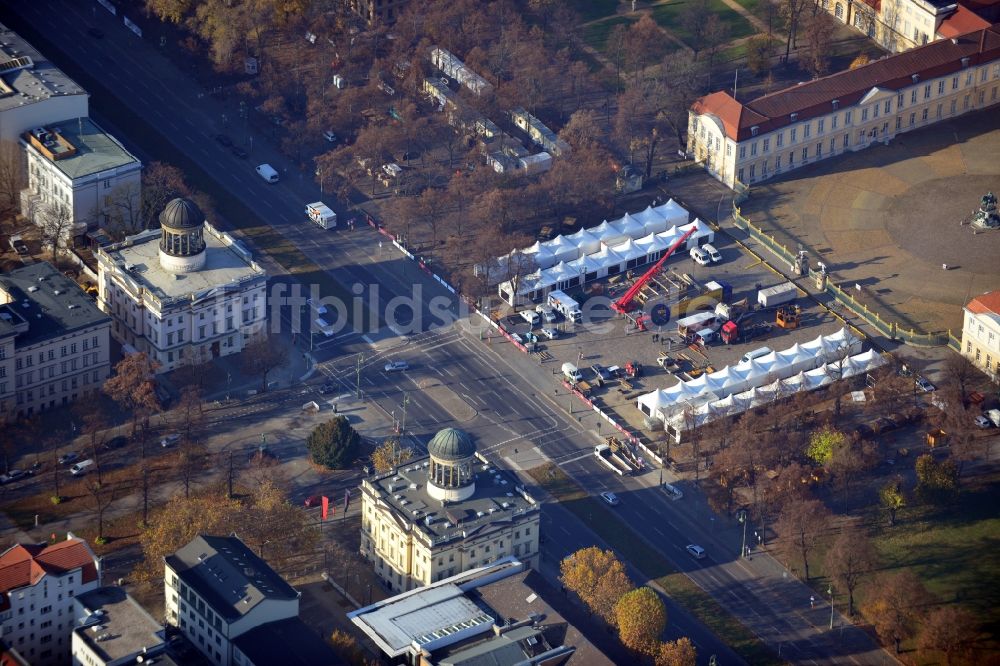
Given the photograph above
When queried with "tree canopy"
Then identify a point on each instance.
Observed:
(334, 444)
(641, 618)
(598, 578)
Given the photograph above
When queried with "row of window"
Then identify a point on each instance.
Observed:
(28, 396)
(28, 378)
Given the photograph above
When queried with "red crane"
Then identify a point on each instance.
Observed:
(624, 304)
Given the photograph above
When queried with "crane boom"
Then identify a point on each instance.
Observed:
(624, 304)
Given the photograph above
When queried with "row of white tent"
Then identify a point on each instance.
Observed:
(590, 254)
(734, 389)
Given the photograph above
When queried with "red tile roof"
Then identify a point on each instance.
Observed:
(814, 98)
(24, 565)
(989, 302)
(961, 22)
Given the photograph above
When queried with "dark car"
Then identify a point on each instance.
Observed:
(96, 33)
(68, 457)
(239, 152)
(224, 140)
(13, 475)
(327, 388)
(116, 443)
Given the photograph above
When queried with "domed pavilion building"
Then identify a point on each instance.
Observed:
(184, 293)
(450, 511)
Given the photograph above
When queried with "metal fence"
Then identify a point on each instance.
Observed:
(884, 326)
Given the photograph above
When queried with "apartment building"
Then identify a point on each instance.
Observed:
(54, 341)
(38, 584)
(443, 514)
(847, 111)
(981, 333)
(33, 91)
(184, 293)
(216, 589)
(79, 178)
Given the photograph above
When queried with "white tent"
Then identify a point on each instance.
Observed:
(561, 272)
(608, 259)
(652, 221)
(585, 264)
(562, 249)
(673, 212)
(585, 240)
(652, 244)
(540, 254)
(629, 250)
(629, 227)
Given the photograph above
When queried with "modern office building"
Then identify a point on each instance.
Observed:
(184, 293)
(500, 613)
(33, 92)
(851, 110)
(217, 589)
(38, 584)
(981, 333)
(54, 341)
(80, 178)
(112, 629)
(443, 514)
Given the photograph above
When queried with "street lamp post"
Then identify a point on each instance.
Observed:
(743, 519)
(402, 427)
(829, 591)
(358, 376)
(229, 384)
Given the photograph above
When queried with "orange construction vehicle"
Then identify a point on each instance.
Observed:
(787, 316)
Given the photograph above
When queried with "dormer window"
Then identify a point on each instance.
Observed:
(754, 130)
(836, 104)
(915, 78)
(965, 63)
(794, 117)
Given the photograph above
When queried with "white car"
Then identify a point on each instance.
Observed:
(925, 385)
(696, 551)
(611, 499)
(550, 333)
(983, 422)
(396, 366)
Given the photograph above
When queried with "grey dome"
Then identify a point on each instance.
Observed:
(182, 214)
(451, 444)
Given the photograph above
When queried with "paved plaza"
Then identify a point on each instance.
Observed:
(889, 218)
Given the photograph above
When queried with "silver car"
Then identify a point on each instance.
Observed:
(396, 366)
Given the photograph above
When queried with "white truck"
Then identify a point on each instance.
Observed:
(612, 460)
(565, 306)
(994, 416)
(321, 214)
(777, 295)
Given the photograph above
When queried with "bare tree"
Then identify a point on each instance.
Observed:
(850, 558)
(12, 174)
(263, 355)
(960, 373)
(101, 495)
(133, 386)
(57, 226)
(791, 11)
(800, 525)
(189, 463)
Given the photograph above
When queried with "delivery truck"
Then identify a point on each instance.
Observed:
(777, 295)
(321, 214)
(565, 306)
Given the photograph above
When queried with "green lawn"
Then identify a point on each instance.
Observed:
(596, 34)
(591, 10)
(631, 547)
(668, 16)
(955, 551)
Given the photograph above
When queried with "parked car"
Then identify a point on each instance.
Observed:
(396, 366)
(68, 457)
(170, 440)
(601, 373)
(672, 491)
(696, 551)
(611, 499)
(925, 385)
(224, 140)
(13, 475)
(327, 388)
(550, 333)
(239, 152)
(983, 422)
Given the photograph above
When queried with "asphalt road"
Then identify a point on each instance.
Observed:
(514, 413)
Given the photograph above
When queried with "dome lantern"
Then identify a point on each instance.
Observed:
(453, 456)
(182, 240)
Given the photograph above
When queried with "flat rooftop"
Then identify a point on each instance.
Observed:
(497, 499)
(223, 265)
(50, 303)
(118, 627)
(26, 76)
(96, 150)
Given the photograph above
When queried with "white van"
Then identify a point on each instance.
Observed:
(756, 353)
(81, 467)
(712, 253)
(531, 317)
(571, 372)
(699, 256)
(267, 172)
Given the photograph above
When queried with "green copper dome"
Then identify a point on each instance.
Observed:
(451, 445)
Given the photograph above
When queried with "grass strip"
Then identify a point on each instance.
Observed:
(265, 238)
(646, 558)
